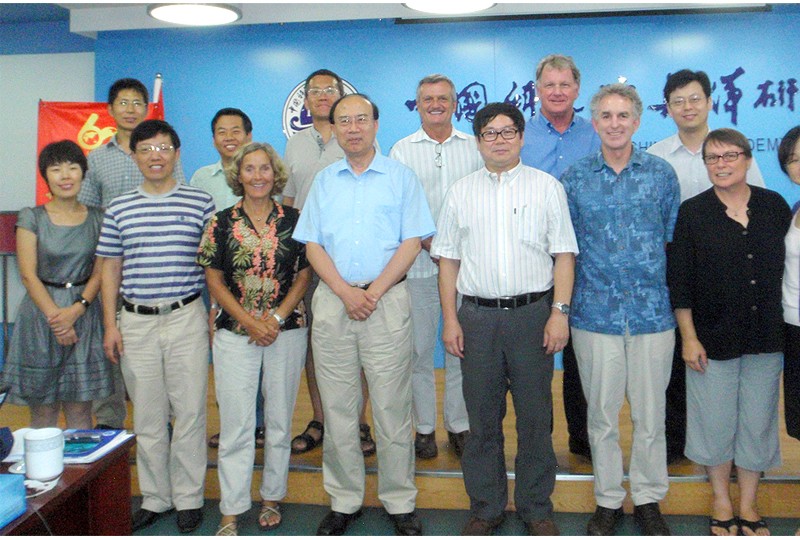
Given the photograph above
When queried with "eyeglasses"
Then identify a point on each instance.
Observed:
(329, 91)
(507, 133)
(727, 157)
(564, 87)
(147, 149)
(139, 105)
(679, 102)
(438, 159)
(359, 119)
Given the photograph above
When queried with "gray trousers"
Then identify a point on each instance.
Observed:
(503, 351)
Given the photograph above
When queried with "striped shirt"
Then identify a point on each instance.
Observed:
(459, 157)
(157, 237)
(504, 230)
(111, 173)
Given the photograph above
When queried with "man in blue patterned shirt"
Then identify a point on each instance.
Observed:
(623, 204)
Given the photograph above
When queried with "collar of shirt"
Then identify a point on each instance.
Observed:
(217, 168)
(599, 161)
(542, 119)
(676, 145)
(420, 135)
(378, 165)
(505, 176)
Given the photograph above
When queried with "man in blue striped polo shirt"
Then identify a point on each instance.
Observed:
(149, 242)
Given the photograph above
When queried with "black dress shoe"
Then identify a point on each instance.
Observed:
(189, 520)
(336, 523)
(650, 521)
(144, 518)
(425, 445)
(580, 448)
(457, 441)
(604, 521)
(406, 524)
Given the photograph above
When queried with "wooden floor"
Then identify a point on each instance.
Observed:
(441, 486)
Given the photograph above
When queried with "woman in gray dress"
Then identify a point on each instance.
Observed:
(56, 356)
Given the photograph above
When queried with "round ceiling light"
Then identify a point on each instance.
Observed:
(446, 7)
(195, 14)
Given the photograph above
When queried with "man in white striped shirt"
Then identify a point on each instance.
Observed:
(505, 242)
(440, 155)
(148, 244)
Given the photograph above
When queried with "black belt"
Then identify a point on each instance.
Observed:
(507, 302)
(159, 310)
(67, 285)
(365, 286)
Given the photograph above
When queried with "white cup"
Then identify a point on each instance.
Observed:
(44, 453)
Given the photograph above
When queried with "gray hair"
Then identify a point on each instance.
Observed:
(619, 89)
(558, 61)
(437, 78)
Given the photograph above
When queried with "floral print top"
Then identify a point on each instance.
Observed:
(259, 266)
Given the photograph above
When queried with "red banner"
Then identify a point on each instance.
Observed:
(88, 124)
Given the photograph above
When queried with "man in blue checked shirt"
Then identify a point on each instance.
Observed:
(623, 204)
(363, 223)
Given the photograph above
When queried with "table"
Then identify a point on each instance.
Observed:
(92, 499)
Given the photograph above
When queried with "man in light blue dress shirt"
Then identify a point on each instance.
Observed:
(363, 223)
(554, 140)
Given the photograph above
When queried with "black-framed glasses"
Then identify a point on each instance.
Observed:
(147, 149)
(507, 133)
(438, 158)
(727, 157)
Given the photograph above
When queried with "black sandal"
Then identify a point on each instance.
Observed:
(368, 446)
(723, 524)
(309, 441)
(752, 525)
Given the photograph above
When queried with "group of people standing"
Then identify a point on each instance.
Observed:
(527, 238)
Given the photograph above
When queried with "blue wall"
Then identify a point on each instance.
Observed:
(256, 67)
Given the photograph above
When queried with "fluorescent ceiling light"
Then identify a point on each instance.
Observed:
(445, 7)
(195, 14)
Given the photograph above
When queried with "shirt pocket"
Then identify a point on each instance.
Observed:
(531, 226)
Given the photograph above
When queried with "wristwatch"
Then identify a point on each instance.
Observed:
(563, 308)
(82, 300)
(281, 320)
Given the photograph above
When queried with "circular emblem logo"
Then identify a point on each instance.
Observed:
(295, 116)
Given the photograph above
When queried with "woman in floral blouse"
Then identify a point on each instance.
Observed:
(258, 275)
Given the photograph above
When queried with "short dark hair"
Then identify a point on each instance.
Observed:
(60, 152)
(327, 73)
(231, 111)
(728, 136)
(151, 128)
(375, 113)
(786, 148)
(492, 110)
(127, 84)
(681, 78)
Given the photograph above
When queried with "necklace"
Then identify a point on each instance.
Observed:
(252, 215)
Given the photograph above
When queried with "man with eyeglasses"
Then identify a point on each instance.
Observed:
(148, 244)
(505, 242)
(439, 154)
(623, 203)
(362, 224)
(554, 140)
(307, 153)
(112, 172)
(688, 97)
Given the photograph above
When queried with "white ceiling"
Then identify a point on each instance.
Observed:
(90, 18)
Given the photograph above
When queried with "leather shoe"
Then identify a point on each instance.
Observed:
(604, 521)
(336, 523)
(144, 518)
(481, 527)
(543, 527)
(406, 524)
(580, 448)
(457, 441)
(425, 445)
(189, 520)
(650, 521)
